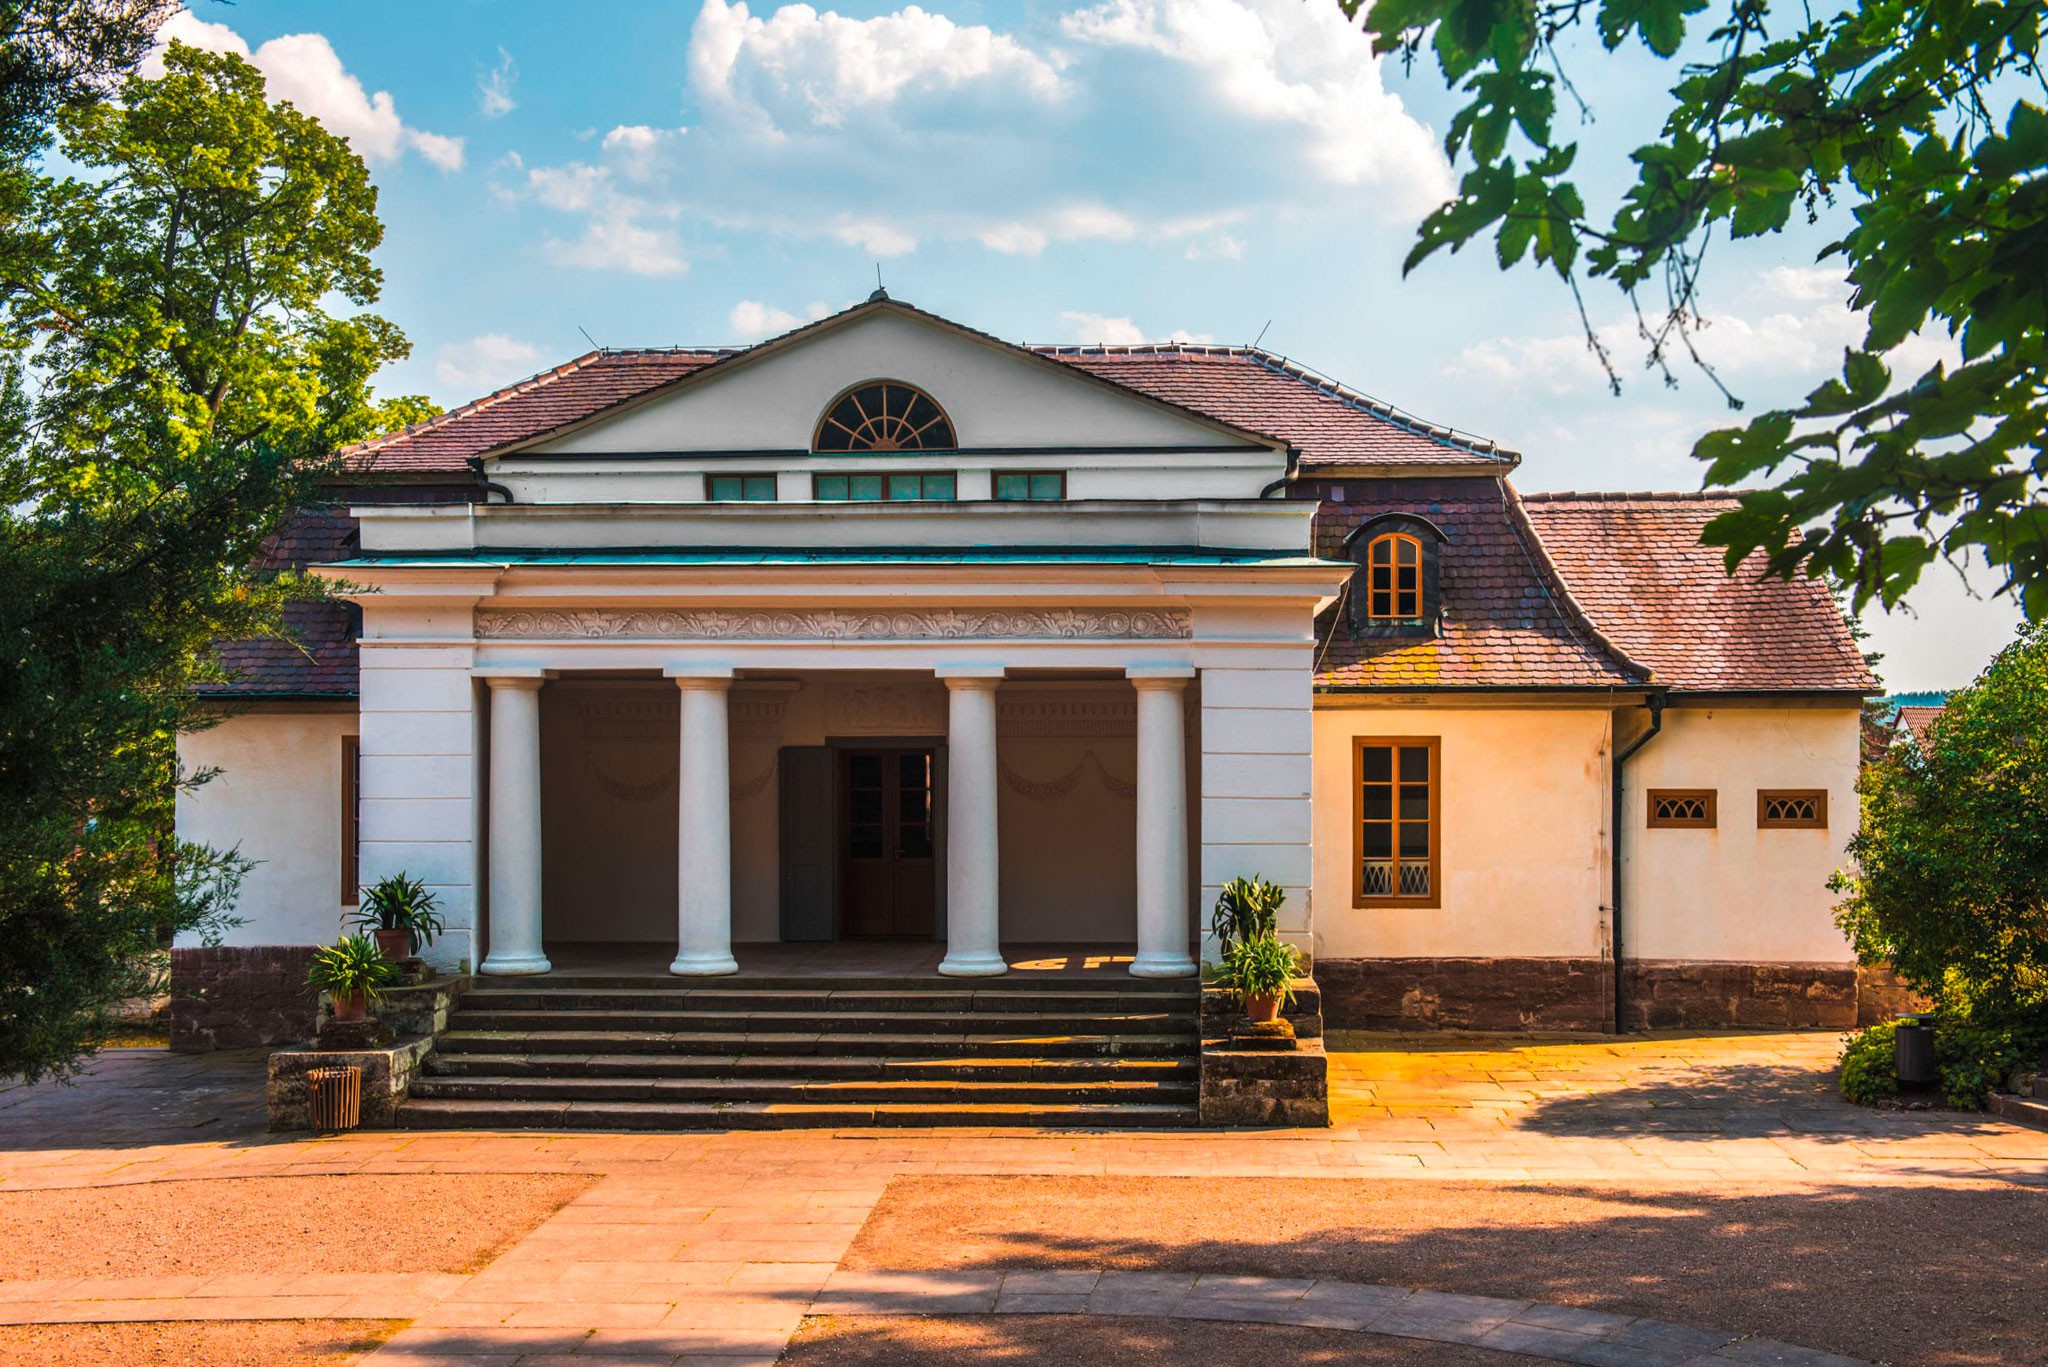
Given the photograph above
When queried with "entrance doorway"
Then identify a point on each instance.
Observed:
(888, 840)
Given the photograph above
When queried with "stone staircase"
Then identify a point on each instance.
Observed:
(2030, 1108)
(665, 1053)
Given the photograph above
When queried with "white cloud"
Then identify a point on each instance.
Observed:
(494, 98)
(621, 244)
(484, 363)
(752, 320)
(801, 66)
(620, 231)
(1175, 123)
(1119, 331)
(304, 69)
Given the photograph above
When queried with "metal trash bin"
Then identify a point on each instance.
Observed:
(1913, 1049)
(334, 1099)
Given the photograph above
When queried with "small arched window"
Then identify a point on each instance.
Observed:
(1393, 586)
(884, 415)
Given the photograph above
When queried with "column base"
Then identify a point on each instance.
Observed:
(515, 965)
(974, 965)
(703, 965)
(1163, 966)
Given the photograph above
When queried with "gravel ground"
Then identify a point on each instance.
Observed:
(227, 1343)
(912, 1340)
(417, 1223)
(1909, 1275)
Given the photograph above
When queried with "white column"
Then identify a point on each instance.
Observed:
(1162, 824)
(973, 947)
(515, 825)
(704, 833)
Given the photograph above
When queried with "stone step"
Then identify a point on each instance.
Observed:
(464, 1038)
(793, 1090)
(2041, 1085)
(678, 998)
(1183, 988)
(2021, 1110)
(838, 1022)
(810, 1067)
(428, 1114)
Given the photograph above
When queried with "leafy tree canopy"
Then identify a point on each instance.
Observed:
(1924, 119)
(1950, 881)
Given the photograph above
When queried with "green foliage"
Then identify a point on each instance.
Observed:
(1869, 1065)
(1246, 909)
(398, 902)
(1259, 967)
(1923, 119)
(174, 372)
(352, 966)
(1949, 882)
(55, 53)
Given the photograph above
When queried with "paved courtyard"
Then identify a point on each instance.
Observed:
(1646, 1201)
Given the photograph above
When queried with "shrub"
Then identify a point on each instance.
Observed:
(1247, 909)
(1971, 1058)
(1868, 1074)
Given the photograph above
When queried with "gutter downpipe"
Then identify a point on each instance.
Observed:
(1655, 702)
(476, 470)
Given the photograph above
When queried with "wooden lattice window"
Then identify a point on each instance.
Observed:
(1792, 809)
(1683, 808)
(1393, 567)
(884, 415)
(1396, 861)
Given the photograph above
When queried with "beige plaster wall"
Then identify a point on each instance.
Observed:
(278, 798)
(1523, 835)
(1736, 892)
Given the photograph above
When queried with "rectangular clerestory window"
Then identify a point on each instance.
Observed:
(740, 488)
(1397, 855)
(897, 487)
(1030, 486)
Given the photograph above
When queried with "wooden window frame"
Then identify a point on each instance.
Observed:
(856, 446)
(1817, 796)
(885, 476)
(351, 817)
(774, 489)
(1709, 796)
(1434, 745)
(1394, 541)
(996, 476)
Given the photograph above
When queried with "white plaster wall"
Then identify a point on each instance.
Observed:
(1254, 814)
(1736, 893)
(277, 798)
(1524, 809)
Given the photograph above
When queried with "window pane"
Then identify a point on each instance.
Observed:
(1382, 579)
(1414, 764)
(758, 488)
(1376, 803)
(1377, 840)
(829, 487)
(939, 487)
(864, 771)
(1013, 486)
(914, 842)
(864, 488)
(866, 804)
(1378, 763)
(1414, 803)
(1052, 486)
(903, 487)
(867, 842)
(1414, 840)
(724, 487)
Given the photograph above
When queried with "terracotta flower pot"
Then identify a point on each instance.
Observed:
(1259, 1010)
(353, 1007)
(395, 945)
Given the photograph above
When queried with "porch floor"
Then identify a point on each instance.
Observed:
(843, 959)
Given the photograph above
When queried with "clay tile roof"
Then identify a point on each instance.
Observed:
(1241, 387)
(1507, 620)
(1636, 564)
(589, 384)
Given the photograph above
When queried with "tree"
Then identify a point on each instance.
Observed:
(1917, 117)
(1950, 876)
(56, 53)
(177, 378)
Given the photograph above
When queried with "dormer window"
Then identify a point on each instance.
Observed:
(884, 415)
(1394, 589)
(1393, 585)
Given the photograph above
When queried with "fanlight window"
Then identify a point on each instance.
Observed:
(1683, 807)
(1792, 809)
(1393, 567)
(884, 416)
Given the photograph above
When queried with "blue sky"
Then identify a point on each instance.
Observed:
(691, 171)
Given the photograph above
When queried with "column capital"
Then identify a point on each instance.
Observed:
(1159, 676)
(970, 677)
(700, 676)
(514, 676)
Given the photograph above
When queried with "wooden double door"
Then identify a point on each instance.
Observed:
(861, 838)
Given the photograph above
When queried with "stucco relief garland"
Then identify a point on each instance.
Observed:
(738, 790)
(1067, 782)
(835, 625)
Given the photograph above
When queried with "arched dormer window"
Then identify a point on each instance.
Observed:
(1393, 578)
(884, 415)
(1394, 589)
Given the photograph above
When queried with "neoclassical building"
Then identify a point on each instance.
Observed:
(886, 629)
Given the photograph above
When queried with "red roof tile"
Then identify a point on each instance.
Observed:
(1506, 623)
(1636, 564)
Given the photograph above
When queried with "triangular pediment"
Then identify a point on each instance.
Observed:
(998, 397)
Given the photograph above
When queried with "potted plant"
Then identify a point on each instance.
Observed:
(353, 972)
(399, 911)
(1260, 973)
(1247, 909)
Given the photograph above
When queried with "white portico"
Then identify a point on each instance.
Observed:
(976, 720)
